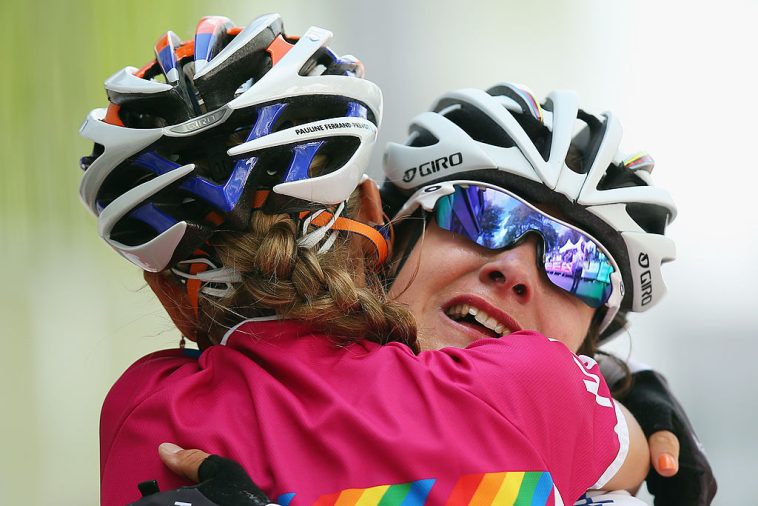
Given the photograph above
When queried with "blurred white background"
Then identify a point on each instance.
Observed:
(680, 76)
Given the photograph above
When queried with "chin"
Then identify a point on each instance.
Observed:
(431, 342)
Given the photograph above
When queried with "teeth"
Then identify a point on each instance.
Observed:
(459, 311)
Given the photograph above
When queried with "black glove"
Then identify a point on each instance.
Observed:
(223, 482)
(655, 408)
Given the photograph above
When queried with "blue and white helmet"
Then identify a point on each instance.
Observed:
(506, 137)
(216, 126)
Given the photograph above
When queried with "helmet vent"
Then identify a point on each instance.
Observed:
(575, 159)
(421, 137)
(618, 176)
(334, 154)
(169, 109)
(86, 161)
(322, 60)
(478, 125)
(651, 218)
(132, 232)
(121, 180)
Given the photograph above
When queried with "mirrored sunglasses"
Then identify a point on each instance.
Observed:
(494, 218)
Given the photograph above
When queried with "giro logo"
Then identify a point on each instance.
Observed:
(433, 166)
(201, 122)
(409, 175)
(646, 280)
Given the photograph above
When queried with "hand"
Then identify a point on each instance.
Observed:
(684, 478)
(664, 453)
(223, 482)
(185, 463)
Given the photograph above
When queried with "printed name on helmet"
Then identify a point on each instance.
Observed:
(324, 127)
(646, 279)
(433, 166)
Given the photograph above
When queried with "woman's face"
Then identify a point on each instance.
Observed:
(448, 276)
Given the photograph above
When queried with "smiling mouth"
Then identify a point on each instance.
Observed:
(478, 318)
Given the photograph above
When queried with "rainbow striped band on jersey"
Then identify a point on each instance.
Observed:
(495, 218)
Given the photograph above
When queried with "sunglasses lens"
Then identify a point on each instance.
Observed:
(585, 274)
(572, 260)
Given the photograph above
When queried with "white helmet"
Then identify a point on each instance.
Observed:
(191, 142)
(505, 137)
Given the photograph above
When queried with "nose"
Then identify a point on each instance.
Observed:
(514, 270)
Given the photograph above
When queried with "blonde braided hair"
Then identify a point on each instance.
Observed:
(335, 291)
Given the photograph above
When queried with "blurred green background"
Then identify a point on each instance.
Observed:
(73, 314)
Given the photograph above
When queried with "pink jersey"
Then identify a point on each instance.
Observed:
(313, 423)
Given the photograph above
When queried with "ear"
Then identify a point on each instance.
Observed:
(172, 294)
(370, 211)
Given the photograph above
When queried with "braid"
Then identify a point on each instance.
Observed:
(334, 291)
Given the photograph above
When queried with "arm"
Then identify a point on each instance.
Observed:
(637, 462)
(554, 397)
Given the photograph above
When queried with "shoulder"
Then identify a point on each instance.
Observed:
(507, 358)
(143, 379)
(523, 352)
(154, 369)
(488, 368)
(536, 369)
(554, 396)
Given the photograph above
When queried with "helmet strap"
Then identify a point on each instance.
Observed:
(375, 238)
(310, 239)
(193, 287)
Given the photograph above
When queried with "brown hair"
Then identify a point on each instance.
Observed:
(589, 347)
(336, 291)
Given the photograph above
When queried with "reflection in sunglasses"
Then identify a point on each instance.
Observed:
(573, 260)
